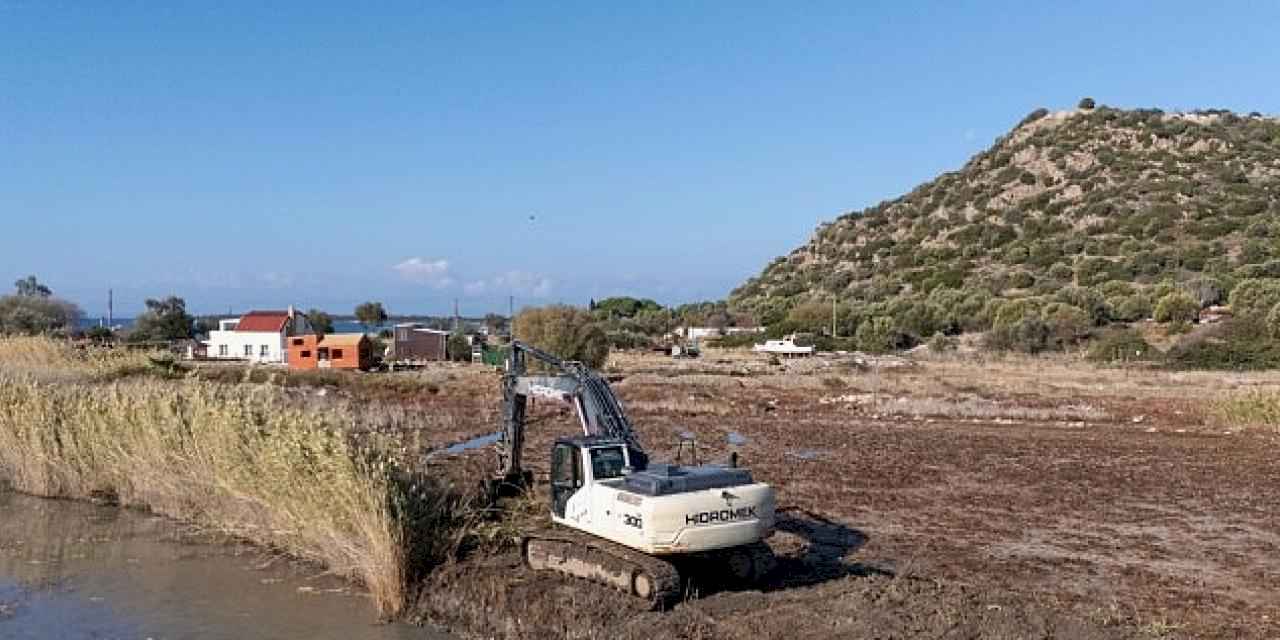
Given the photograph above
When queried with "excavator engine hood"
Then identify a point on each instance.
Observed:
(667, 479)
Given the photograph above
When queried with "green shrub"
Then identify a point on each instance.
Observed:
(1237, 344)
(1067, 325)
(1011, 312)
(1133, 308)
(1090, 300)
(1177, 307)
(1094, 271)
(1122, 345)
(940, 343)
(1206, 290)
(1028, 335)
(1273, 322)
(878, 335)
(1255, 296)
(1086, 103)
(1033, 116)
(568, 332)
(1060, 271)
(1021, 279)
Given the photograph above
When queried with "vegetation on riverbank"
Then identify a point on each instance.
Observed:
(247, 460)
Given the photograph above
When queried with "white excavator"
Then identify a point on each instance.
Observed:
(619, 519)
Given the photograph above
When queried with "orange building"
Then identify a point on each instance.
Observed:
(337, 351)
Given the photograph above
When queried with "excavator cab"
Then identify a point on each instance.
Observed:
(579, 460)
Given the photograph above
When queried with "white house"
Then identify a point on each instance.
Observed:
(257, 336)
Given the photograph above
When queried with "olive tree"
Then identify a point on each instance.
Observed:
(1177, 307)
(567, 332)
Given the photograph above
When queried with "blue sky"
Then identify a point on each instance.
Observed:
(319, 153)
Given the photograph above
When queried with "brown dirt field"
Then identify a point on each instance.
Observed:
(920, 501)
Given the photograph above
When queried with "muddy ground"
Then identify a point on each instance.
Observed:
(958, 498)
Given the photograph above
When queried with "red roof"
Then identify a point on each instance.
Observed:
(273, 321)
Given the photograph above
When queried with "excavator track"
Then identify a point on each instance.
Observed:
(579, 555)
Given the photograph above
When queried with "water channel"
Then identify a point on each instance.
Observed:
(71, 571)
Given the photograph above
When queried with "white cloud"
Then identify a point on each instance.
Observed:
(433, 273)
(512, 282)
(276, 279)
(525, 283)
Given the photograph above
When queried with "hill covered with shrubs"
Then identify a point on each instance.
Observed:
(1072, 221)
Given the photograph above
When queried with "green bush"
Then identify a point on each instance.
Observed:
(1028, 335)
(1033, 116)
(1133, 308)
(1237, 344)
(1255, 296)
(1060, 272)
(1207, 290)
(568, 332)
(940, 343)
(1177, 307)
(1122, 345)
(1090, 300)
(1021, 280)
(458, 348)
(878, 335)
(1086, 104)
(1011, 312)
(1068, 325)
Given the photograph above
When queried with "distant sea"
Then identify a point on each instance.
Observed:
(339, 326)
(120, 323)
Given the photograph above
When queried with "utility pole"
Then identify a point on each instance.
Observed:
(111, 316)
(457, 320)
(511, 316)
(833, 316)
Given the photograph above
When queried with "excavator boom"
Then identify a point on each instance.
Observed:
(600, 413)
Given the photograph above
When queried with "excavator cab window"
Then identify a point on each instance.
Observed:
(607, 463)
(566, 475)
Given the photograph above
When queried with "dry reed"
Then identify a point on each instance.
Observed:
(242, 459)
(1252, 408)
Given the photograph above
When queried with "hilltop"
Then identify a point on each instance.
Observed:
(1103, 210)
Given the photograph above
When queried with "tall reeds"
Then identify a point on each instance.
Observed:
(1253, 408)
(244, 459)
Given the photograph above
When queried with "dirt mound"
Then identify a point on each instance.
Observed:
(499, 598)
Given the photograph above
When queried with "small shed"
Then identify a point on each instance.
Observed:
(336, 351)
(412, 341)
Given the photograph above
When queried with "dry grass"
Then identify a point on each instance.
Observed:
(1252, 408)
(59, 360)
(244, 459)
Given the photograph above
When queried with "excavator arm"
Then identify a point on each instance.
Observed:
(599, 411)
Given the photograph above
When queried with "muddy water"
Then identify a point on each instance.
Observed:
(72, 570)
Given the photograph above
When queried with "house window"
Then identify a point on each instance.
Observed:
(297, 342)
(305, 354)
(248, 351)
(223, 350)
(337, 354)
(322, 353)
(265, 350)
